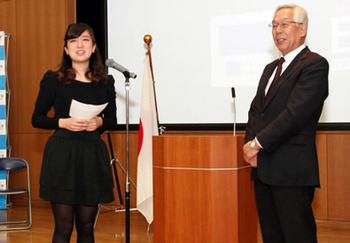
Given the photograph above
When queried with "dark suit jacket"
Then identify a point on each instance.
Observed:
(285, 125)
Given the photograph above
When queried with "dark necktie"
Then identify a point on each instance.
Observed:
(277, 75)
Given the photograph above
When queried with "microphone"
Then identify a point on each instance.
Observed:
(233, 93)
(111, 63)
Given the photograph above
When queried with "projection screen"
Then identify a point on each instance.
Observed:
(201, 49)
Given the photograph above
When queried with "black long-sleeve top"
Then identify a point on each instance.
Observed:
(59, 96)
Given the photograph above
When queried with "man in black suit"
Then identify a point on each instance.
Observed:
(281, 130)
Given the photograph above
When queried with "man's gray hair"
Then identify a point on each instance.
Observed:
(300, 14)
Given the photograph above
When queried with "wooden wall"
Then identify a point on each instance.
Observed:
(37, 28)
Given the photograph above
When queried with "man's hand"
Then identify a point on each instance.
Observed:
(250, 154)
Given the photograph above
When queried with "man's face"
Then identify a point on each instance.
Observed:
(287, 34)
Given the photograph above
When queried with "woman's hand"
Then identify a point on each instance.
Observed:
(94, 123)
(78, 125)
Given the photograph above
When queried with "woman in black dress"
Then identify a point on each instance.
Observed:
(76, 174)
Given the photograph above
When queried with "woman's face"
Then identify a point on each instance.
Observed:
(81, 48)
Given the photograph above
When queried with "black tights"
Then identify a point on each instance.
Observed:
(64, 222)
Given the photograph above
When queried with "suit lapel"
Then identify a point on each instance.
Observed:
(265, 79)
(286, 74)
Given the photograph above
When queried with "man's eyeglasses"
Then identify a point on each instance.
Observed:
(283, 24)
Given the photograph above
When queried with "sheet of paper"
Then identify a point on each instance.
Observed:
(80, 110)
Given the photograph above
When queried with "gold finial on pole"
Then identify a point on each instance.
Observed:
(147, 39)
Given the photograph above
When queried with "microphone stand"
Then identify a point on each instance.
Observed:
(127, 183)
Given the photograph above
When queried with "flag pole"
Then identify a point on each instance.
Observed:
(148, 43)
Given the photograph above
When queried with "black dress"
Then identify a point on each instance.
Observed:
(76, 165)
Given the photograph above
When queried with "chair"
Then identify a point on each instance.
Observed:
(8, 165)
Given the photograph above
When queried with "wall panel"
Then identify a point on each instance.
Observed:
(40, 31)
(338, 177)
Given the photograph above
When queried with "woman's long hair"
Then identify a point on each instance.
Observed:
(97, 70)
